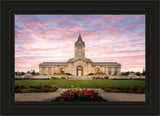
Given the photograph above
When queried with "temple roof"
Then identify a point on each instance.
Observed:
(105, 63)
(79, 58)
(53, 63)
(79, 39)
(84, 59)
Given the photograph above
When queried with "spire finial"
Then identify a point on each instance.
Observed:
(79, 33)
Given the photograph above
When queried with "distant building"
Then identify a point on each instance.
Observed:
(79, 65)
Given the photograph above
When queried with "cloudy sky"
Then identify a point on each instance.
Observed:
(108, 38)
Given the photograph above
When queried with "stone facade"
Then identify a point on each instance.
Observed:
(79, 65)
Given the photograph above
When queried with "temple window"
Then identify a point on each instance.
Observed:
(109, 71)
(97, 70)
(116, 71)
(61, 70)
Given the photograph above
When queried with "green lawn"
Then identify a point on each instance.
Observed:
(85, 83)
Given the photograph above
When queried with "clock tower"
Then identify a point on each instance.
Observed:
(79, 47)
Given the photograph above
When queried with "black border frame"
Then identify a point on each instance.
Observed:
(148, 7)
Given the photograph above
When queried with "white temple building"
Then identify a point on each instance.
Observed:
(79, 65)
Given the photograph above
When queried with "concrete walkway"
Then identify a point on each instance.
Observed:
(125, 97)
(48, 96)
(45, 96)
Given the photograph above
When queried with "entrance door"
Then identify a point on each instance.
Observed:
(79, 71)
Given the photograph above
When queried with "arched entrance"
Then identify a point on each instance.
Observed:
(79, 71)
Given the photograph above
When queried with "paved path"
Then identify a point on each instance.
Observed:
(36, 96)
(48, 96)
(123, 97)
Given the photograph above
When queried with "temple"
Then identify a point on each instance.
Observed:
(79, 65)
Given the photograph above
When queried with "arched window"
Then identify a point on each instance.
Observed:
(97, 70)
(61, 70)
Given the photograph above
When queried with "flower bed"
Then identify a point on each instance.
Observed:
(59, 78)
(27, 88)
(79, 95)
(106, 77)
(124, 90)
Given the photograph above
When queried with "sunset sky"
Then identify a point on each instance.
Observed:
(108, 38)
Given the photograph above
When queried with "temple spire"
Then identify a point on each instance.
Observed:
(79, 47)
(79, 39)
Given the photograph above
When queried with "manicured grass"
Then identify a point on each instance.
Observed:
(84, 83)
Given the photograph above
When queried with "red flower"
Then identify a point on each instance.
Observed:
(72, 96)
(92, 96)
(17, 84)
(27, 83)
(39, 82)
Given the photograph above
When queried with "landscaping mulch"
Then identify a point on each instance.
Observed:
(123, 90)
(29, 90)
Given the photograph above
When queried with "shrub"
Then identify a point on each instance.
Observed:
(100, 73)
(30, 88)
(59, 74)
(38, 87)
(47, 86)
(91, 74)
(120, 88)
(40, 78)
(63, 78)
(97, 78)
(53, 77)
(135, 88)
(106, 77)
(17, 86)
(138, 73)
(25, 78)
(125, 73)
(68, 74)
(18, 78)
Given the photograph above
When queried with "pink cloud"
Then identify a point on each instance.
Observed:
(105, 41)
(35, 23)
(115, 17)
(19, 35)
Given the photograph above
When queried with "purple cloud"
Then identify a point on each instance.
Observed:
(108, 38)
